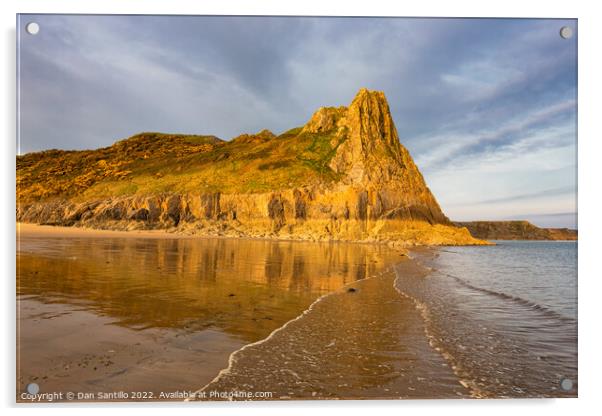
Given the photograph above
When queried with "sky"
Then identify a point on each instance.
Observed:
(486, 107)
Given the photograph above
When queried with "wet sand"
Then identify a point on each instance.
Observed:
(72, 350)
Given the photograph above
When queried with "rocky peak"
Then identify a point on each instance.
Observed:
(369, 146)
(369, 119)
(370, 157)
(326, 119)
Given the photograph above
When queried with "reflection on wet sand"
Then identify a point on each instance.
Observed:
(175, 294)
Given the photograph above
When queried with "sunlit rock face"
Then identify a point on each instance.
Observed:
(372, 159)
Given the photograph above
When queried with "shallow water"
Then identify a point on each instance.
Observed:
(503, 316)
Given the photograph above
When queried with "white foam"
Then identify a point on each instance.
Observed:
(422, 308)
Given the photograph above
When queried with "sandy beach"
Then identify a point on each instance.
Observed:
(37, 230)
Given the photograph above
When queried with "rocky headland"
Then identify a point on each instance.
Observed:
(342, 176)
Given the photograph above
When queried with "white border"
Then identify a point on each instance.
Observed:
(590, 71)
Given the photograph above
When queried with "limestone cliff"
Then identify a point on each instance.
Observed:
(342, 176)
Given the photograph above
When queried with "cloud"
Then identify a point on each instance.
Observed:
(564, 190)
(522, 129)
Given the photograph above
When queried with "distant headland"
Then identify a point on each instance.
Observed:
(515, 230)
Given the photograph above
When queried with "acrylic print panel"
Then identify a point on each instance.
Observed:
(286, 208)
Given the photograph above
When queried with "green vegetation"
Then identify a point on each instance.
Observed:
(319, 153)
(151, 163)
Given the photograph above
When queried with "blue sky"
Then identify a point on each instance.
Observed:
(487, 107)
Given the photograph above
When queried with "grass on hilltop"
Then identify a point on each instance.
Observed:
(153, 163)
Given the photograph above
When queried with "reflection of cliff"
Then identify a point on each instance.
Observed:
(343, 176)
(245, 287)
(516, 230)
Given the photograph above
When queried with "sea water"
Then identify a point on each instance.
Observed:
(504, 316)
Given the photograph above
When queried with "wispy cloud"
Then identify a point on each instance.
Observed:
(459, 145)
(565, 190)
